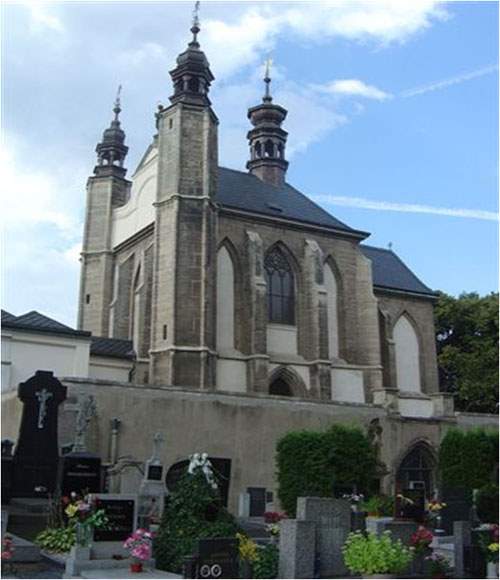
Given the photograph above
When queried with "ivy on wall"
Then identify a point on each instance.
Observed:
(315, 463)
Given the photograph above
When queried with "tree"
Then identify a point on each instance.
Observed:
(467, 344)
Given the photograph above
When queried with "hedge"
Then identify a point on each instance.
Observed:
(469, 458)
(311, 463)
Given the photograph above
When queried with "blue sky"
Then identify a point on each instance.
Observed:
(393, 121)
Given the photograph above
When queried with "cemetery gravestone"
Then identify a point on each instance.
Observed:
(7, 465)
(257, 501)
(333, 524)
(217, 558)
(414, 508)
(122, 516)
(458, 502)
(152, 489)
(297, 549)
(36, 456)
(80, 471)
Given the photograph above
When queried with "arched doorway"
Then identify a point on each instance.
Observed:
(280, 387)
(417, 470)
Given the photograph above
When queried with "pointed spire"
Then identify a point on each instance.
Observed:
(192, 75)
(267, 79)
(267, 139)
(111, 151)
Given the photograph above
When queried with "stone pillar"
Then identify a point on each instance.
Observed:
(257, 368)
(104, 192)
(184, 300)
(442, 404)
(316, 331)
(297, 549)
(368, 351)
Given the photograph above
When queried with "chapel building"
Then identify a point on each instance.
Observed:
(236, 281)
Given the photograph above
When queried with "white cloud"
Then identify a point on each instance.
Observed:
(362, 203)
(147, 52)
(42, 18)
(29, 197)
(450, 81)
(353, 88)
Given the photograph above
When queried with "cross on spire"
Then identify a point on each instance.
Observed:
(117, 108)
(267, 79)
(195, 28)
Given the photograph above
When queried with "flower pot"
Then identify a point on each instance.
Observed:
(136, 567)
(84, 535)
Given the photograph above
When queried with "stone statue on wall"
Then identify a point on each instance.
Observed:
(86, 410)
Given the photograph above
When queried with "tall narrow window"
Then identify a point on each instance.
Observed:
(225, 300)
(333, 312)
(280, 288)
(136, 311)
(407, 355)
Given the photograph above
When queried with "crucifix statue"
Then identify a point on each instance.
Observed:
(43, 396)
(86, 411)
(158, 440)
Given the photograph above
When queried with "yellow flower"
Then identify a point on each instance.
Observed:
(71, 510)
(248, 548)
(493, 547)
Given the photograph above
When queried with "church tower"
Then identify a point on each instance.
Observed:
(183, 329)
(106, 190)
(267, 139)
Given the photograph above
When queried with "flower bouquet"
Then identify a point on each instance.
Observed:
(272, 521)
(421, 540)
(84, 514)
(140, 547)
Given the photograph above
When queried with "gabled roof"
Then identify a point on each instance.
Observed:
(246, 192)
(35, 321)
(99, 345)
(113, 347)
(391, 273)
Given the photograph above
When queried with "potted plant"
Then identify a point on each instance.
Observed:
(421, 541)
(375, 556)
(372, 506)
(140, 548)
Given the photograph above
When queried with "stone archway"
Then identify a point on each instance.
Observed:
(417, 469)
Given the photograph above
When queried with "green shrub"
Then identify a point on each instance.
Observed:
(266, 564)
(378, 505)
(57, 539)
(487, 504)
(371, 554)
(311, 463)
(192, 512)
(469, 458)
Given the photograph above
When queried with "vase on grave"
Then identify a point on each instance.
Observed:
(84, 534)
(136, 566)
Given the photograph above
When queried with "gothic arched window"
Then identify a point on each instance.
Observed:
(280, 288)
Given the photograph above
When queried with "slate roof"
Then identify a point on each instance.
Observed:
(113, 347)
(33, 320)
(246, 192)
(390, 272)
(99, 346)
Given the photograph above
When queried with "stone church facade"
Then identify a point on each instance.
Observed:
(235, 281)
(251, 310)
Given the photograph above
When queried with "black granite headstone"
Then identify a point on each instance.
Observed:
(458, 508)
(414, 509)
(217, 558)
(155, 472)
(79, 472)
(257, 501)
(222, 470)
(36, 455)
(120, 513)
